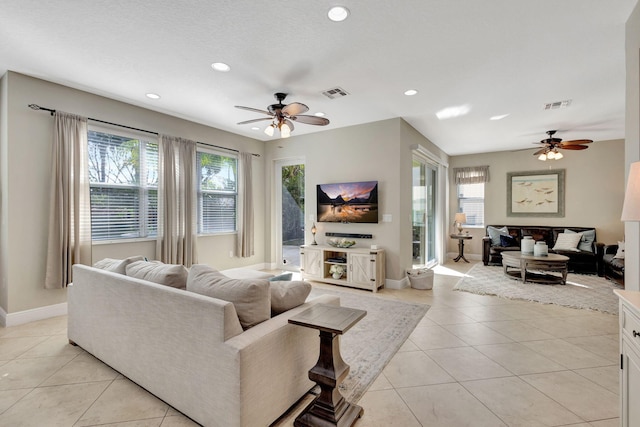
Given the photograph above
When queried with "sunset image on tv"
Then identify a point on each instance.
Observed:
(348, 202)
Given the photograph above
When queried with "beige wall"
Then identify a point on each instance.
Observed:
(594, 190)
(375, 151)
(25, 156)
(632, 138)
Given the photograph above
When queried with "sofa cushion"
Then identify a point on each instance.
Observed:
(174, 275)
(495, 233)
(567, 241)
(281, 277)
(117, 265)
(588, 237)
(250, 297)
(286, 295)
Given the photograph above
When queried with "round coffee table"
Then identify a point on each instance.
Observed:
(543, 265)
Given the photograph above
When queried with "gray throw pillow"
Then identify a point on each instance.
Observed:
(174, 275)
(281, 277)
(286, 295)
(494, 234)
(117, 265)
(588, 237)
(250, 297)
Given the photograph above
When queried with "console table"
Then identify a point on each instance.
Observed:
(330, 408)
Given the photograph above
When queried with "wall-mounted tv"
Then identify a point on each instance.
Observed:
(348, 202)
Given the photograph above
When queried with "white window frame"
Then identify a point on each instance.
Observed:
(201, 193)
(461, 208)
(143, 231)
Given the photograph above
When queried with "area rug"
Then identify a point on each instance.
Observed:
(372, 342)
(581, 291)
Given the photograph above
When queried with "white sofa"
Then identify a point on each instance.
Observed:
(190, 350)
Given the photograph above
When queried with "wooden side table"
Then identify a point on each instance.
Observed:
(330, 408)
(461, 238)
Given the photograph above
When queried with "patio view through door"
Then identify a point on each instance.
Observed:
(290, 213)
(424, 212)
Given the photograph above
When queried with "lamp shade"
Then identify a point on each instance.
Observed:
(631, 207)
(461, 218)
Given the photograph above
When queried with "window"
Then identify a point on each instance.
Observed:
(471, 202)
(123, 179)
(217, 193)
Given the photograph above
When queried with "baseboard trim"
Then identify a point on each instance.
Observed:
(26, 316)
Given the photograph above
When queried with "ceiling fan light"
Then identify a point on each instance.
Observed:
(558, 156)
(285, 131)
(542, 157)
(269, 130)
(551, 155)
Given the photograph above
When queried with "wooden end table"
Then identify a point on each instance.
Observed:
(525, 263)
(329, 408)
(461, 238)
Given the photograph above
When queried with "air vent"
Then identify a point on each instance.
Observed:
(557, 104)
(336, 92)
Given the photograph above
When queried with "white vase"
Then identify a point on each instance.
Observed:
(540, 249)
(526, 246)
(337, 275)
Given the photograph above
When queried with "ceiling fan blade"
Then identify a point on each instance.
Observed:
(295, 108)
(311, 120)
(575, 147)
(576, 142)
(289, 123)
(542, 150)
(255, 110)
(254, 120)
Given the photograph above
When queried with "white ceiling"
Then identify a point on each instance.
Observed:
(496, 56)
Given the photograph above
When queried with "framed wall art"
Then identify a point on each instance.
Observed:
(535, 193)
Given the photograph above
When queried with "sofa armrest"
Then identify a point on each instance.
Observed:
(486, 249)
(601, 249)
(610, 249)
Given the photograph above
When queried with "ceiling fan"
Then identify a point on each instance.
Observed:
(282, 116)
(551, 146)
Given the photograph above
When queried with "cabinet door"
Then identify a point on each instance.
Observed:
(312, 261)
(362, 268)
(630, 385)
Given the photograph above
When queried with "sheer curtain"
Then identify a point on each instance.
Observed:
(245, 241)
(69, 207)
(177, 202)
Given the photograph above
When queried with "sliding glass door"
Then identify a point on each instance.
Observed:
(290, 187)
(424, 186)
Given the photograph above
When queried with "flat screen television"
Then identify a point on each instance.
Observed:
(348, 202)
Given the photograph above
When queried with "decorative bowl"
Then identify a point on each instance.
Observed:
(341, 243)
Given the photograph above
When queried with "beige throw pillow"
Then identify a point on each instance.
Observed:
(174, 275)
(567, 241)
(286, 295)
(117, 265)
(250, 297)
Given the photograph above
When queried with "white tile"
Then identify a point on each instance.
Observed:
(476, 334)
(567, 354)
(582, 397)
(414, 369)
(431, 337)
(519, 359)
(384, 408)
(447, 316)
(606, 376)
(467, 363)
(447, 405)
(83, 368)
(26, 373)
(518, 330)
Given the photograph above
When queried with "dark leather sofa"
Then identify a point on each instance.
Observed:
(613, 268)
(580, 261)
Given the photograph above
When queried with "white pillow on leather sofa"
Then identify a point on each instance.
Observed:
(174, 275)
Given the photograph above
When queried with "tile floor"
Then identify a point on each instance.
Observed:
(472, 361)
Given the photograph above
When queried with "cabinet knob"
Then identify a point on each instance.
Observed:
(636, 334)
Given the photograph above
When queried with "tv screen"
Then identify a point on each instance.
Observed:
(348, 202)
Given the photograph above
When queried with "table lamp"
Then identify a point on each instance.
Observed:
(460, 219)
(314, 230)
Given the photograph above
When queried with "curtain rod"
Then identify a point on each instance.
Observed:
(37, 107)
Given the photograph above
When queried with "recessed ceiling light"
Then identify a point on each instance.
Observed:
(255, 128)
(500, 117)
(153, 96)
(220, 66)
(338, 13)
(410, 92)
(319, 114)
(451, 112)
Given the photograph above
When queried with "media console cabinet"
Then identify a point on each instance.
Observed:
(363, 267)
